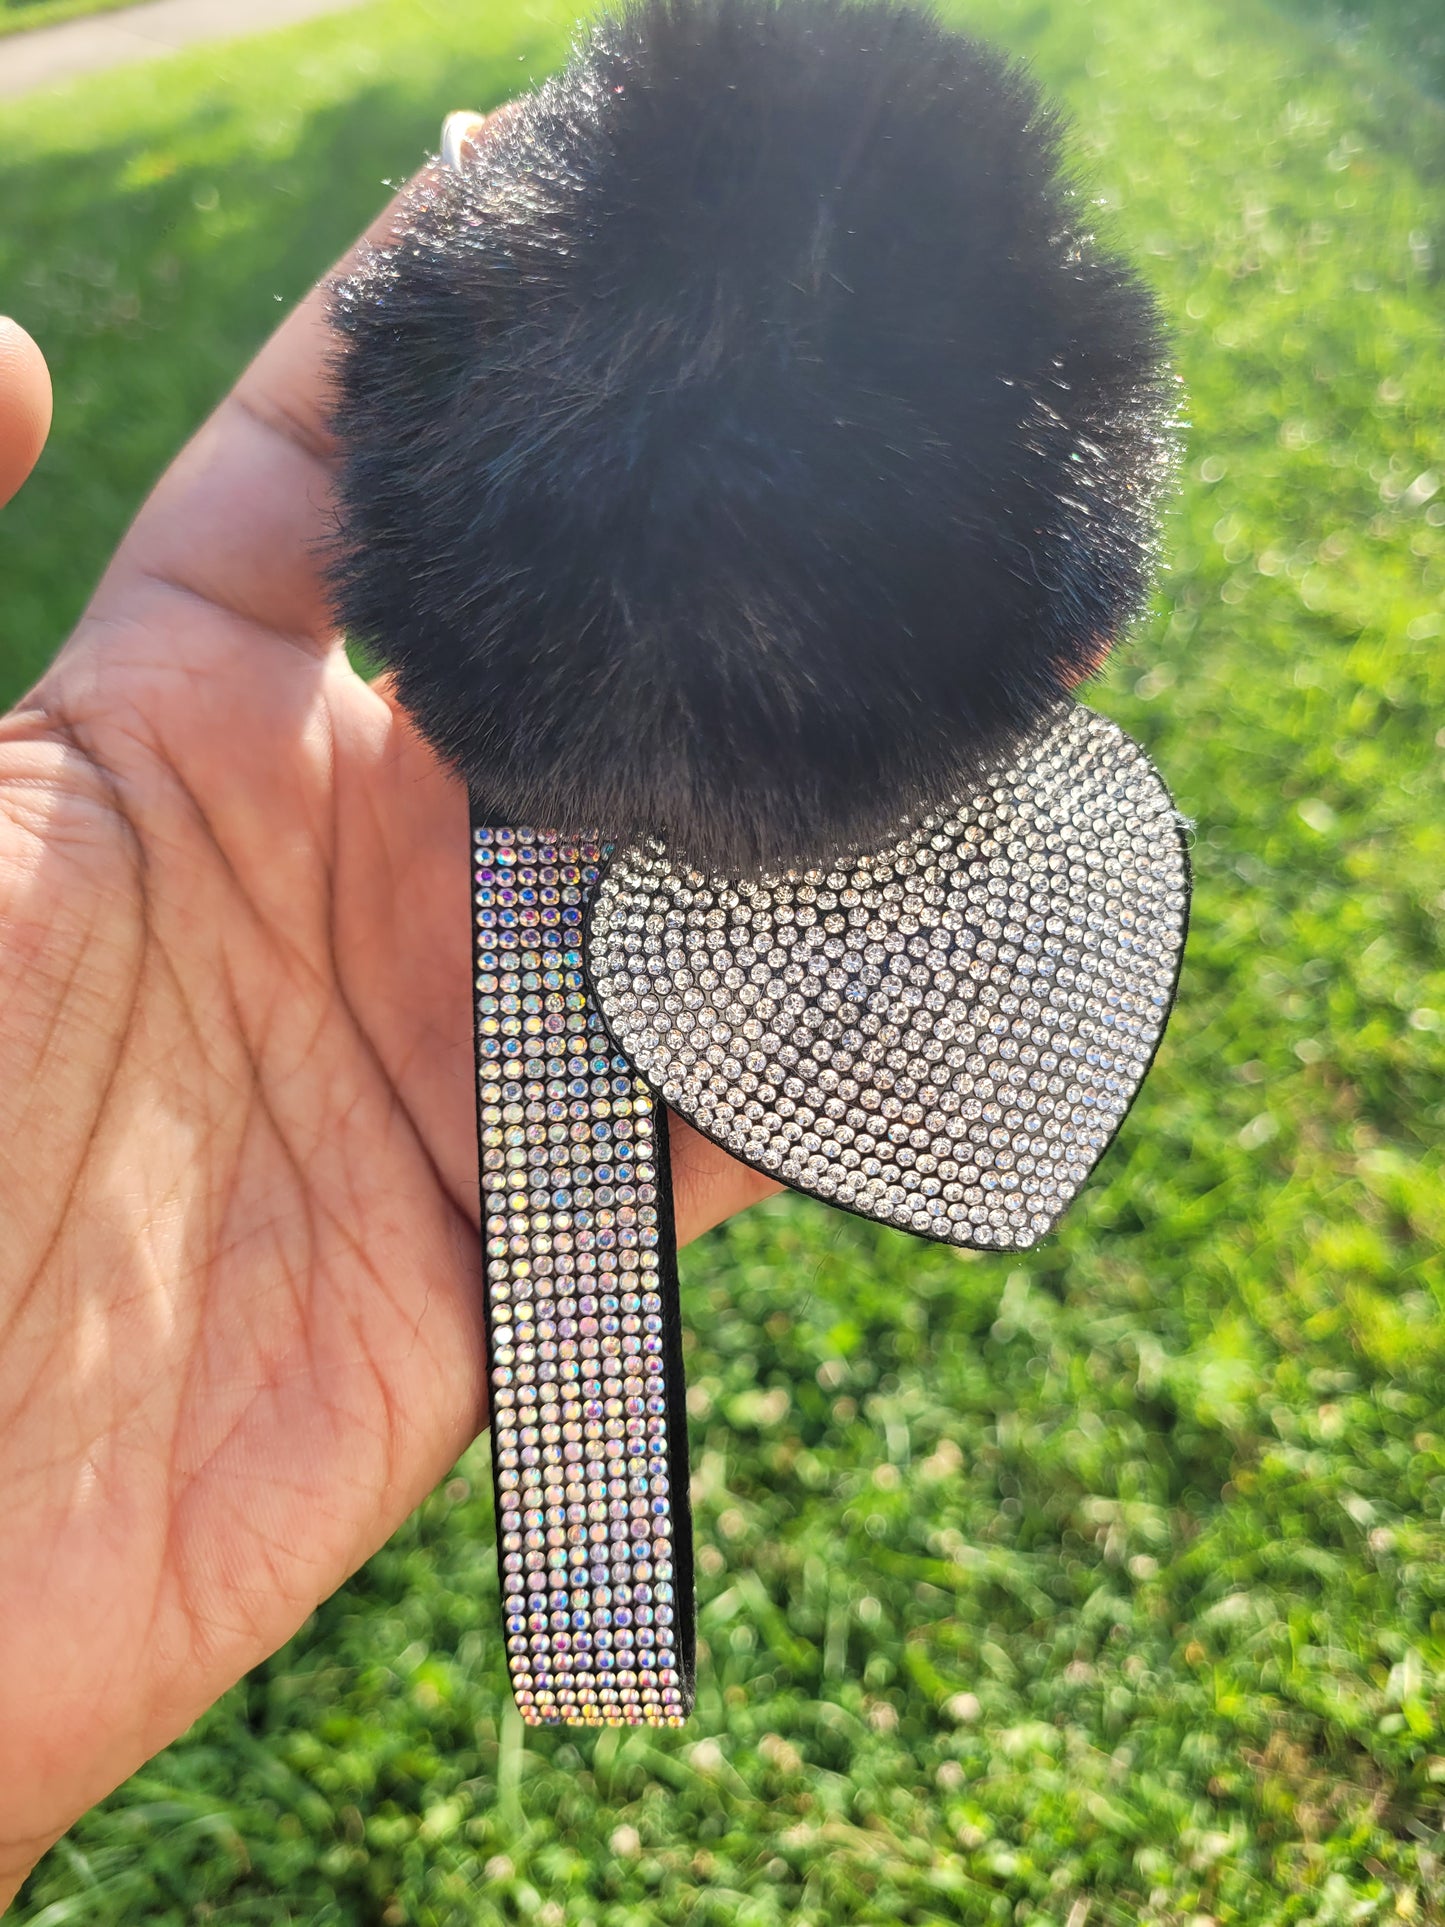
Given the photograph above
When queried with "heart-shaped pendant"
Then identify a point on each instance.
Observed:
(944, 1035)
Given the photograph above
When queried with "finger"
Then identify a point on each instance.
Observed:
(707, 1184)
(241, 516)
(25, 404)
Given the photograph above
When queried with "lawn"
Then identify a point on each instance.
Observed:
(1105, 1584)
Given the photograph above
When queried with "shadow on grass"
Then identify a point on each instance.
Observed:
(150, 267)
(1406, 36)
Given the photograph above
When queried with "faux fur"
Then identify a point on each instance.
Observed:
(751, 444)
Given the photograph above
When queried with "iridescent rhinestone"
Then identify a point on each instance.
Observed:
(568, 1199)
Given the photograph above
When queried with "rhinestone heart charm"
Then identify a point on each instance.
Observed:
(944, 1035)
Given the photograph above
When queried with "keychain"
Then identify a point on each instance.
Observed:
(747, 451)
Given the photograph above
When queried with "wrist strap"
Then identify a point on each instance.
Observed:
(584, 1349)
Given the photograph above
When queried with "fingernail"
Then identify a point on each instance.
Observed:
(458, 131)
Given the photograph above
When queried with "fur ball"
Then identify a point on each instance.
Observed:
(751, 444)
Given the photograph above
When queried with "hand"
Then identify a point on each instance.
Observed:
(240, 1330)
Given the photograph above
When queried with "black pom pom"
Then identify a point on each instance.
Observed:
(751, 444)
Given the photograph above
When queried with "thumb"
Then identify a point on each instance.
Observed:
(24, 405)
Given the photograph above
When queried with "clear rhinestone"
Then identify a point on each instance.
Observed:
(934, 990)
(568, 1210)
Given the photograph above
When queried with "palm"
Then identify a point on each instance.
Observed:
(253, 1103)
(239, 1306)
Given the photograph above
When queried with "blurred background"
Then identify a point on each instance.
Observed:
(1104, 1584)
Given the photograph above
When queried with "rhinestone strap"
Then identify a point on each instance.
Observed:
(589, 1435)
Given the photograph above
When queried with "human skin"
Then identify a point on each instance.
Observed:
(240, 1310)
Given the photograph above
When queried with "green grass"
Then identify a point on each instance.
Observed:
(1409, 34)
(1105, 1584)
